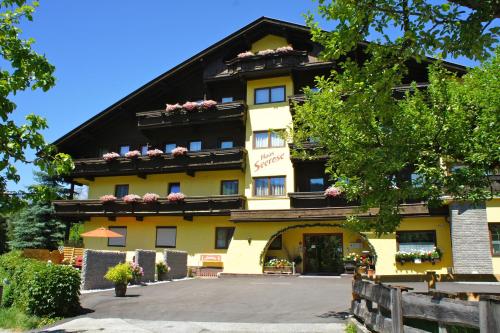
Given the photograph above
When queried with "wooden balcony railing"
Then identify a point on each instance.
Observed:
(210, 205)
(316, 200)
(226, 112)
(205, 160)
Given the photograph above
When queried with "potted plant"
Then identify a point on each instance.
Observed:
(277, 265)
(154, 153)
(120, 275)
(176, 197)
(179, 151)
(108, 157)
(137, 273)
(162, 269)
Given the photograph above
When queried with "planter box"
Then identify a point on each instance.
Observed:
(278, 270)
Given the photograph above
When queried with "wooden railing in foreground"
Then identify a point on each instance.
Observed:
(392, 306)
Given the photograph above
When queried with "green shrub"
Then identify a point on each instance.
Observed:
(119, 274)
(39, 288)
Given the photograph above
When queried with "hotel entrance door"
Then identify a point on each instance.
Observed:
(323, 254)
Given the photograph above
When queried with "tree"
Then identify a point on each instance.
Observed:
(35, 228)
(47, 189)
(24, 68)
(376, 136)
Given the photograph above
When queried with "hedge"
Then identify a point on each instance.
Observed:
(40, 288)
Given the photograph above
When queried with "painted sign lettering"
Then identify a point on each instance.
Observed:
(267, 159)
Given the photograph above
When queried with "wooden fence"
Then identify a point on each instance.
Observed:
(393, 305)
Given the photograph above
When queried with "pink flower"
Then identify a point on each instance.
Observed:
(173, 107)
(150, 197)
(176, 197)
(131, 198)
(110, 156)
(245, 54)
(179, 151)
(332, 192)
(190, 106)
(107, 198)
(133, 154)
(265, 52)
(154, 152)
(208, 104)
(284, 49)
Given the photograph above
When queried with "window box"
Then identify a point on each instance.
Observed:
(278, 270)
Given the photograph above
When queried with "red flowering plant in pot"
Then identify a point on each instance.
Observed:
(208, 104)
(150, 197)
(176, 197)
(131, 198)
(173, 107)
(190, 106)
(154, 153)
(133, 154)
(108, 198)
(108, 157)
(179, 151)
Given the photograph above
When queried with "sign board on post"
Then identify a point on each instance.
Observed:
(210, 257)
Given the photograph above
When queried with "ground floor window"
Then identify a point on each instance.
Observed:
(166, 236)
(495, 238)
(416, 240)
(118, 241)
(223, 237)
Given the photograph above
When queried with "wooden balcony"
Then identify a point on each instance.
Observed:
(213, 205)
(328, 213)
(316, 200)
(205, 160)
(226, 112)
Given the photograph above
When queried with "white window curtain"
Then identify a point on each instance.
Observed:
(118, 241)
(165, 237)
(277, 140)
(261, 187)
(278, 186)
(261, 140)
(417, 246)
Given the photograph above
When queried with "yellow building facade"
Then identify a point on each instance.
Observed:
(273, 220)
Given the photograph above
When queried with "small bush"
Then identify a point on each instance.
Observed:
(119, 274)
(39, 288)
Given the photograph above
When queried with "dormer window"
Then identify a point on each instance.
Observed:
(270, 95)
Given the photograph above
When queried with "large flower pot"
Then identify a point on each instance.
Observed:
(120, 290)
(163, 276)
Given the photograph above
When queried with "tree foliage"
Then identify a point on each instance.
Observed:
(35, 228)
(376, 135)
(23, 69)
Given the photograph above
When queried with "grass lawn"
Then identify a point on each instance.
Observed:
(14, 319)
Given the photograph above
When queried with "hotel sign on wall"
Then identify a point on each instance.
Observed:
(267, 160)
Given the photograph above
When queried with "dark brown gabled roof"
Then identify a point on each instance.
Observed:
(172, 71)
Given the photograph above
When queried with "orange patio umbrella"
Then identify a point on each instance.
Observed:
(101, 233)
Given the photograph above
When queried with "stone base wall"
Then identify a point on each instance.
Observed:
(177, 261)
(96, 264)
(147, 260)
(470, 239)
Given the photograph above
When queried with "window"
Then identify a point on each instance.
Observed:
(269, 95)
(121, 190)
(495, 238)
(166, 236)
(316, 184)
(144, 150)
(268, 139)
(174, 188)
(195, 145)
(223, 237)
(277, 243)
(269, 186)
(229, 187)
(227, 99)
(226, 144)
(169, 147)
(416, 240)
(124, 150)
(118, 241)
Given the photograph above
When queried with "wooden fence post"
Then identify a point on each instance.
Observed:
(396, 310)
(489, 314)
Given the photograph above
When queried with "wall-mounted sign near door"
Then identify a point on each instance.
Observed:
(268, 159)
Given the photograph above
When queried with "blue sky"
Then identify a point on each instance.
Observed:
(103, 50)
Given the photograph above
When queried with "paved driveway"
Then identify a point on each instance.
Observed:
(283, 303)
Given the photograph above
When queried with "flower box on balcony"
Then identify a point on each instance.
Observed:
(278, 270)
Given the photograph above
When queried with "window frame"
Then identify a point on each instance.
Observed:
(490, 225)
(268, 186)
(227, 97)
(228, 241)
(120, 149)
(169, 143)
(144, 146)
(323, 183)
(126, 234)
(166, 246)
(229, 180)
(169, 189)
(269, 94)
(116, 190)
(269, 132)
(221, 140)
(398, 232)
(275, 248)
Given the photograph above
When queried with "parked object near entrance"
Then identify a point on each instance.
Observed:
(177, 261)
(120, 275)
(162, 270)
(146, 260)
(96, 264)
